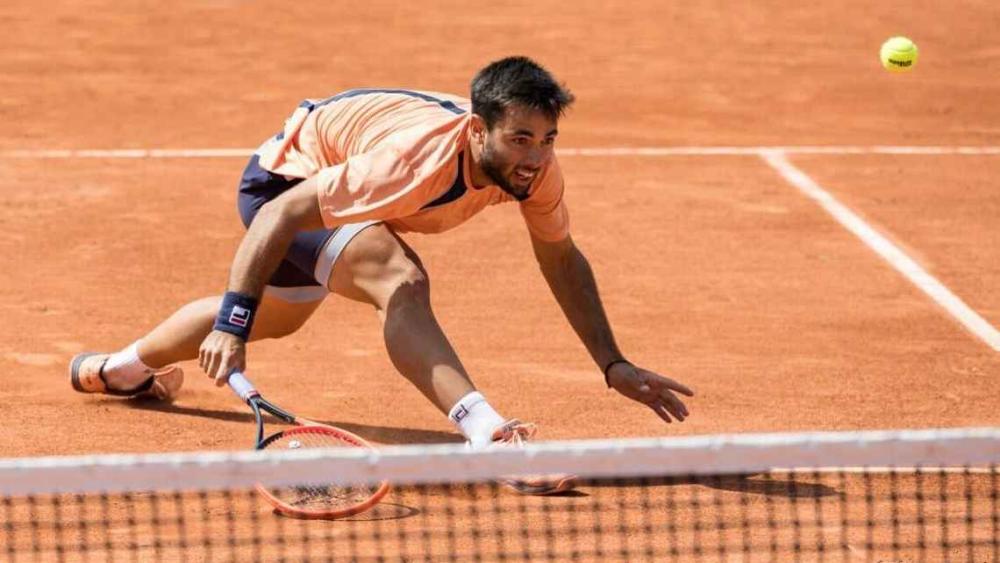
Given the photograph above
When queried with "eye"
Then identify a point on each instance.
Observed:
(549, 141)
(521, 141)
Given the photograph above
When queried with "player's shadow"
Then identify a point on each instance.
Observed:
(371, 432)
(791, 486)
(755, 484)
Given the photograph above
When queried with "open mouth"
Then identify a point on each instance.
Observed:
(524, 176)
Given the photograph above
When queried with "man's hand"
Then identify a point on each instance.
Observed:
(220, 354)
(650, 389)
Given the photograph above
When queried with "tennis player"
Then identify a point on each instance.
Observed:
(325, 202)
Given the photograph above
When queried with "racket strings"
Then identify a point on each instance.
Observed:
(318, 497)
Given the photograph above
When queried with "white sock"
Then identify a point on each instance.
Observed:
(475, 419)
(124, 370)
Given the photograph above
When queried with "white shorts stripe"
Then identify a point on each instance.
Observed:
(328, 256)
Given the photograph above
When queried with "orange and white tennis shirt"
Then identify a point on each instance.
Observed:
(399, 156)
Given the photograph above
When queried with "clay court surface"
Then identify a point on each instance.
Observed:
(713, 268)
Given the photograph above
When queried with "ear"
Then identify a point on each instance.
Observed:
(478, 127)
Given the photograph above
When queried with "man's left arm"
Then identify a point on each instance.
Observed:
(572, 282)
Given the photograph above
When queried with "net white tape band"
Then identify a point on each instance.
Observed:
(718, 454)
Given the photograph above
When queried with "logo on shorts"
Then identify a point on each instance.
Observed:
(461, 413)
(239, 317)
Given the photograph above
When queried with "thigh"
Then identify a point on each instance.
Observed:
(278, 317)
(373, 265)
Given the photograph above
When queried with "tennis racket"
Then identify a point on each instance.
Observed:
(314, 501)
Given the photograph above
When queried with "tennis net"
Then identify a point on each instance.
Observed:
(929, 495)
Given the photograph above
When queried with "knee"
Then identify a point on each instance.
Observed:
(410, 290)
(406, 286)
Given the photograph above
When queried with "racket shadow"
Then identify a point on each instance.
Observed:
(381, 512)
(373, 433)
(384, 511)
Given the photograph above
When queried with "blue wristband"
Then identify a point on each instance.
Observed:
(236, 314)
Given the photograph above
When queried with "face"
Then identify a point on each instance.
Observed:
(517, 148)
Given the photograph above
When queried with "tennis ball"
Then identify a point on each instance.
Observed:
(898, 54)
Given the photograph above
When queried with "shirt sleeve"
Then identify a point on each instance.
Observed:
(544, 211)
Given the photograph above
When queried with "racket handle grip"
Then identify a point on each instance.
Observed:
(241, 385)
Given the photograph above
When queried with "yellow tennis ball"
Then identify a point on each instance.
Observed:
(898, 54)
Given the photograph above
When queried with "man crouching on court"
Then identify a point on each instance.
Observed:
(325, 201)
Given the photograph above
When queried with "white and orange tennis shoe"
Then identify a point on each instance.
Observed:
(515, 433)
(86, 374)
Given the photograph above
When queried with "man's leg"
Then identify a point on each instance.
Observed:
(380, 269)
(177, 339)
(288, 302)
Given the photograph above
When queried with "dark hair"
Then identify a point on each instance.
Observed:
(517, 80)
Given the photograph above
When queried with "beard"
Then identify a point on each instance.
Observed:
(488, 161)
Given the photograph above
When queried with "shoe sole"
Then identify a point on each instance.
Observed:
(74, 379)
(74, 370)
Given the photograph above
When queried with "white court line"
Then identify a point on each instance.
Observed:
(595, 151)
(773, 155)
(127, 153)
(757, 151)
(886, 249)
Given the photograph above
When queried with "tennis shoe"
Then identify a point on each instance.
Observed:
(514, 434)
(86, 374)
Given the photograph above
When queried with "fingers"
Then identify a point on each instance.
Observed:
(230, 363)
(680, 388)
(213, 363)
(219, 355)
(666, 404)
(648, 379)
(222, 376)
(666, 409)
(660, 388)
(670, 402)
(202, 357)
(207, 355)
(674, 405)
(651, 389)
(662, 412)
(221, 371)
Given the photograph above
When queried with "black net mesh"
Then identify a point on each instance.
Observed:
(928, 514)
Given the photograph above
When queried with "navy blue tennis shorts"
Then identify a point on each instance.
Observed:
(305, 270)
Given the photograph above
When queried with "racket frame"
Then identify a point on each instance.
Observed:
(240, 385)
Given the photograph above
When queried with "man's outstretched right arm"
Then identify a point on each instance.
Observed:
(263, 247)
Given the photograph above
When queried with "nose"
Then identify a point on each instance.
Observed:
(535, 158)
